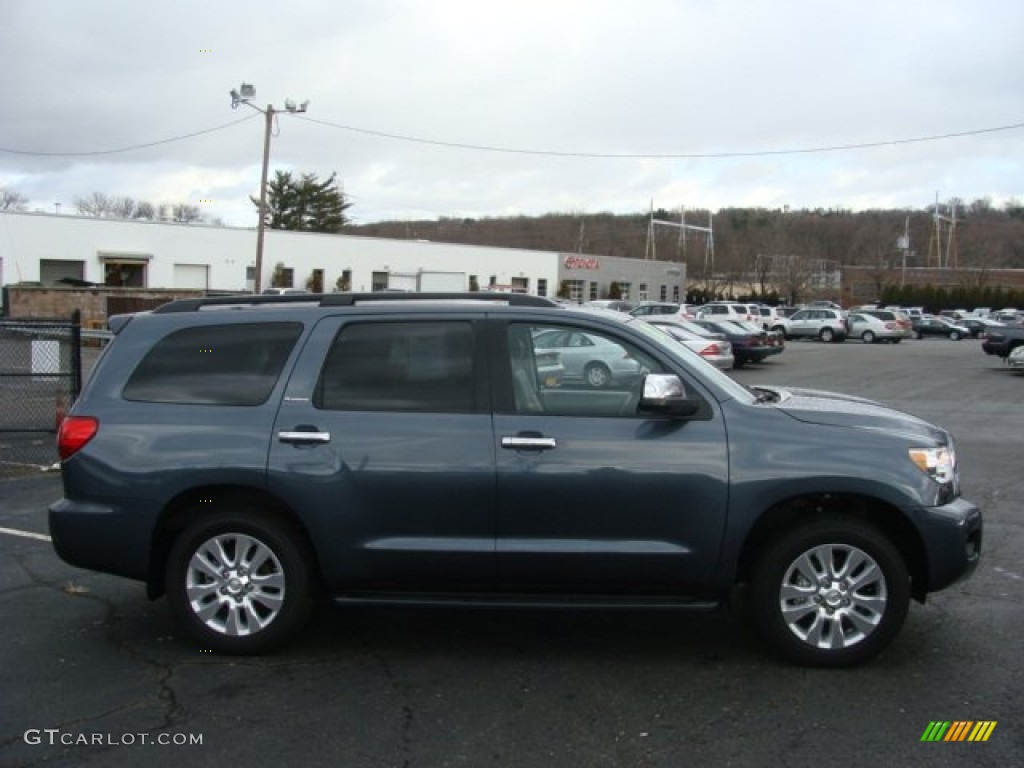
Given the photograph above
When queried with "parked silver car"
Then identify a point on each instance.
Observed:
(1016, 359)
(870, 328)
(718, 352)
(589, 358)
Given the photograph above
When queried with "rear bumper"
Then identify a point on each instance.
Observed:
(101, 538)
(952, 539)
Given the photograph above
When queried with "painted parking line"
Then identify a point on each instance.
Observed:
(25, 534)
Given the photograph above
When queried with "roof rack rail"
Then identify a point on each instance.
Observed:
(352, 299)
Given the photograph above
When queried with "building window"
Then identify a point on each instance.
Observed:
(124, 273)
(283, 277)
(641, 294)
(663, 293)
(542, 286)
(520, 285)
(316, 281)
(379, 281)
(593, 291)
(624, 290)
(675, 293)
(574, 290)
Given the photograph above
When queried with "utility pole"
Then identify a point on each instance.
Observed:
(243, 95)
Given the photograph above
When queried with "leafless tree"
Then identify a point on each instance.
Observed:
(12, 201)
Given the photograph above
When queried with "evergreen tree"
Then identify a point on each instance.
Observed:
(305, 204)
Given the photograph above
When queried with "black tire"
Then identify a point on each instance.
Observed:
(853, 622)
(954, 335)
(237, 611)
(597, 375)
(897, 340)
(868, 337)
(827, 335)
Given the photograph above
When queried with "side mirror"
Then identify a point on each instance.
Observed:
(664, 393)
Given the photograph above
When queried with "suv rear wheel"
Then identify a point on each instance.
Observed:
(832, 592)
(826, 334)
(241, 582)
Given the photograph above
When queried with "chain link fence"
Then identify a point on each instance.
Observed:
(40, 377)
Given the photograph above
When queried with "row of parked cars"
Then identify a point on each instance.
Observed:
(830, 323)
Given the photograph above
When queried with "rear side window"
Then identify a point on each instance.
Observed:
(214, 365)
(421, 367)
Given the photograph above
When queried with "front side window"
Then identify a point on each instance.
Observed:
(575, 371)
(402, 366)
(235, 364)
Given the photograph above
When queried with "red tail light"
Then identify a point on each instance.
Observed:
(711, 350)
(74, 433)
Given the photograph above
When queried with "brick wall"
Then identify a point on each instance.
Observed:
(30, 301)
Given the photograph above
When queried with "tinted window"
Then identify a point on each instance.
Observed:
(214, 365)
(421, 366)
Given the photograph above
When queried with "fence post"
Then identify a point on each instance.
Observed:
(76, 354)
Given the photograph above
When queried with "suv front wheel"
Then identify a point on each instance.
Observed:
(241, 582)
(833, 592)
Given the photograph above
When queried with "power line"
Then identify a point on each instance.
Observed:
(130, 148)
(661, 156)
(541, 152)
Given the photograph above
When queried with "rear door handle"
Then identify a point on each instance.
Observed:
(528, 443)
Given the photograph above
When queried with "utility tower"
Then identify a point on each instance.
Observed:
(943, 243)
(650, 250)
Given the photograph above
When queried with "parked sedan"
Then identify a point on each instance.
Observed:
(718, 352)
(978, 326)
(590, 359)
(1016, 359)
(747, 347)
(932, 325)
(870, 328)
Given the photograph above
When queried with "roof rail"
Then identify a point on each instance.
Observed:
(352, 299)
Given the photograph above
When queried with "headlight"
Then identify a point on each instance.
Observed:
(938, 463)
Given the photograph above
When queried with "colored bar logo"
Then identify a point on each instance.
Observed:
(958, 730)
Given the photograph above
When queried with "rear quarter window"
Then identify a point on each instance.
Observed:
(235, 364)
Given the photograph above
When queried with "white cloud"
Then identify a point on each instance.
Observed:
(592, 77)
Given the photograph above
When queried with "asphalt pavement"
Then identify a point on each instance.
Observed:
(93, 674)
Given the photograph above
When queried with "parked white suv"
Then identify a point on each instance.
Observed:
(729, 310)
(818, 322)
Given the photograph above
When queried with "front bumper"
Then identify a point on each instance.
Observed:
(951, 535)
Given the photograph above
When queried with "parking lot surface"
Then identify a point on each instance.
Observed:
(93, 674)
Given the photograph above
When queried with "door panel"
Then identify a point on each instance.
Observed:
(606, 501)
(396, 478)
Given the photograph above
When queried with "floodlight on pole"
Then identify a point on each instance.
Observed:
(244, 95)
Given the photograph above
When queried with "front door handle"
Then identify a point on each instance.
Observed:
(303, 436)
(528, 443)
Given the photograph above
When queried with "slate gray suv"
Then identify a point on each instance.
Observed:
(248, 455)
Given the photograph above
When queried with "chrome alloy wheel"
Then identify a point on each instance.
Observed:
(235, 584)
(833, 596)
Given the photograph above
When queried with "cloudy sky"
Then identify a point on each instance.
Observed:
(456, 108)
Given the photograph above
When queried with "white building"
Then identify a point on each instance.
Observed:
(52, 249)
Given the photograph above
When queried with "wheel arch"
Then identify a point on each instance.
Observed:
(188, 506)
(888, 519)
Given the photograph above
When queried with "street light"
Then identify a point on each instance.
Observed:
(243, 95)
